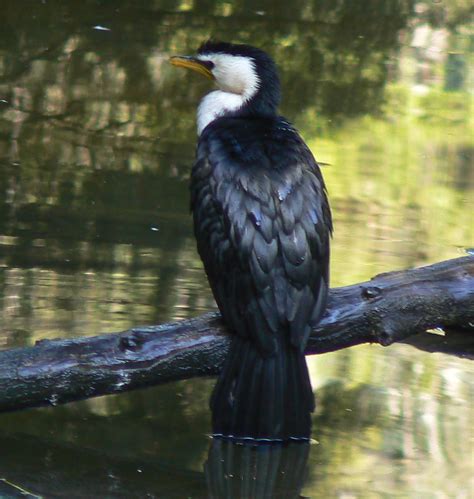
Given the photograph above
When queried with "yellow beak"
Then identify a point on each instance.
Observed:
(191, 63)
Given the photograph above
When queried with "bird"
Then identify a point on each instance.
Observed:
(263, 225)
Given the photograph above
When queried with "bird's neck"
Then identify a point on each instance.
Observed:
(218, 104)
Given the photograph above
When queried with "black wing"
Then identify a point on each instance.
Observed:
(262, 224)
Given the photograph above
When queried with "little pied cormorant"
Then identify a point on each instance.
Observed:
(263, 224)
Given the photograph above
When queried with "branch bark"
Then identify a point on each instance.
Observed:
(388, 308)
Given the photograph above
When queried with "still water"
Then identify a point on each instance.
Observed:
(97, 137)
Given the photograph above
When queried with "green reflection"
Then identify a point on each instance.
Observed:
(97, 137)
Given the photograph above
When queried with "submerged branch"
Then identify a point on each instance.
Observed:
(390, 307)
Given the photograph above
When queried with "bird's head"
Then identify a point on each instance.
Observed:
(246, 78)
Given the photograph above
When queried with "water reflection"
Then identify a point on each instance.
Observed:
(51, 470)
(231, 471)
(256, 472)
(96, 141)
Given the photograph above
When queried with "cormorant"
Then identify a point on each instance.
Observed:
(262, 224)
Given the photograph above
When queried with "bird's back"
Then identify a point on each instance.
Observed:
(262, 223)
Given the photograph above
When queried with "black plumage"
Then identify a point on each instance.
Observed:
(262, 224)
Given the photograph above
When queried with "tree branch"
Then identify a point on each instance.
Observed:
(388, 308)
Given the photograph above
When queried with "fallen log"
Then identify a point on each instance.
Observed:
(388, 308)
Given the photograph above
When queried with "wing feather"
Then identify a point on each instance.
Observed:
(263, 231)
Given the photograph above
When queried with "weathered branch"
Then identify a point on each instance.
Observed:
(388, 308)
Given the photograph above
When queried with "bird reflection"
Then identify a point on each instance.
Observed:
(236, 471)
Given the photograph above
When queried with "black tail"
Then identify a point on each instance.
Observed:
(265, 398)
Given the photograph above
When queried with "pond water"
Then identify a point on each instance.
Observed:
(97, 135)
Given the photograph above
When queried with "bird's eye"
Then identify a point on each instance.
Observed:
(208, 64)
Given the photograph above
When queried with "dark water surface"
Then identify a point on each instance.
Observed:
(97, 137)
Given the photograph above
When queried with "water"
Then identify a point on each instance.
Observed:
(97, 137)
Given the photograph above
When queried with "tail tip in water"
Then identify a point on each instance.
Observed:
(258, 440)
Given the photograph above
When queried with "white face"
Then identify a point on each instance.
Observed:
(234, 73)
